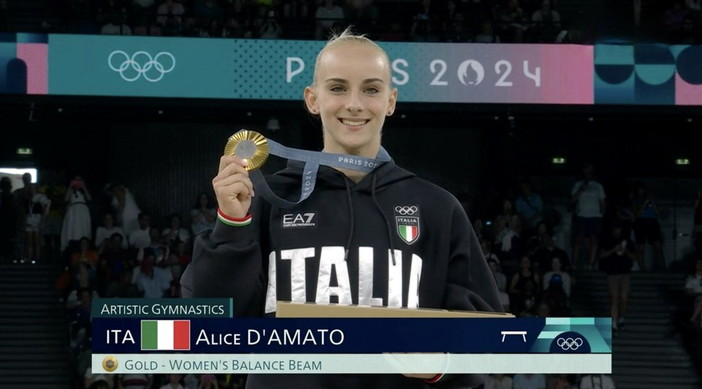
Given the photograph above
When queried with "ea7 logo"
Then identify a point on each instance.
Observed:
(296, 220)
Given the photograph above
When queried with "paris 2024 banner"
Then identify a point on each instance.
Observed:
(260, 69)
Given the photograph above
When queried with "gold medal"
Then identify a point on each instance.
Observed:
(110, 363)
(248, 145)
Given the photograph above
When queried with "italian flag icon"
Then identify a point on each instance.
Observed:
(165, 334)
(408, 233)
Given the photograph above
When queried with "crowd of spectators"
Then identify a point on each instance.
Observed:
(124, 256)
(483, 21)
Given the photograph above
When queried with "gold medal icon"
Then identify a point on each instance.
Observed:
(248, 145)
(110, 364)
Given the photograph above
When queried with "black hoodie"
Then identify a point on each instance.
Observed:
(391, 239)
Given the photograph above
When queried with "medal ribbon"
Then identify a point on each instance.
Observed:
(312, 160)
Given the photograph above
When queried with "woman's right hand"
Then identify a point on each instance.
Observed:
(233, 187)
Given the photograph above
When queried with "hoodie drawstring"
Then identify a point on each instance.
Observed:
(385, 219)
(350, 200)
(351, 220)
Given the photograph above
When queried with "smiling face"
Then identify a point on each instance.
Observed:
(352, 95)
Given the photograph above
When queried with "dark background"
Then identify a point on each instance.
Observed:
(167, 150)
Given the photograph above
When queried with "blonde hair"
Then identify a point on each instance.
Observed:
(347, 36)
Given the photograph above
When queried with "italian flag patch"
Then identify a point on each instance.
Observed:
(408, 228)
(408, 233)
(165, 334)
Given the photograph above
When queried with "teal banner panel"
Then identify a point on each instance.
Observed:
(96, 65)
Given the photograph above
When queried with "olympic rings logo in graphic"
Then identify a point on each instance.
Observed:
(406, 210)
(141, 64)
(570, 343)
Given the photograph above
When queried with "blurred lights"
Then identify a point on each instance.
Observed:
(18, 172)
(558, 160)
